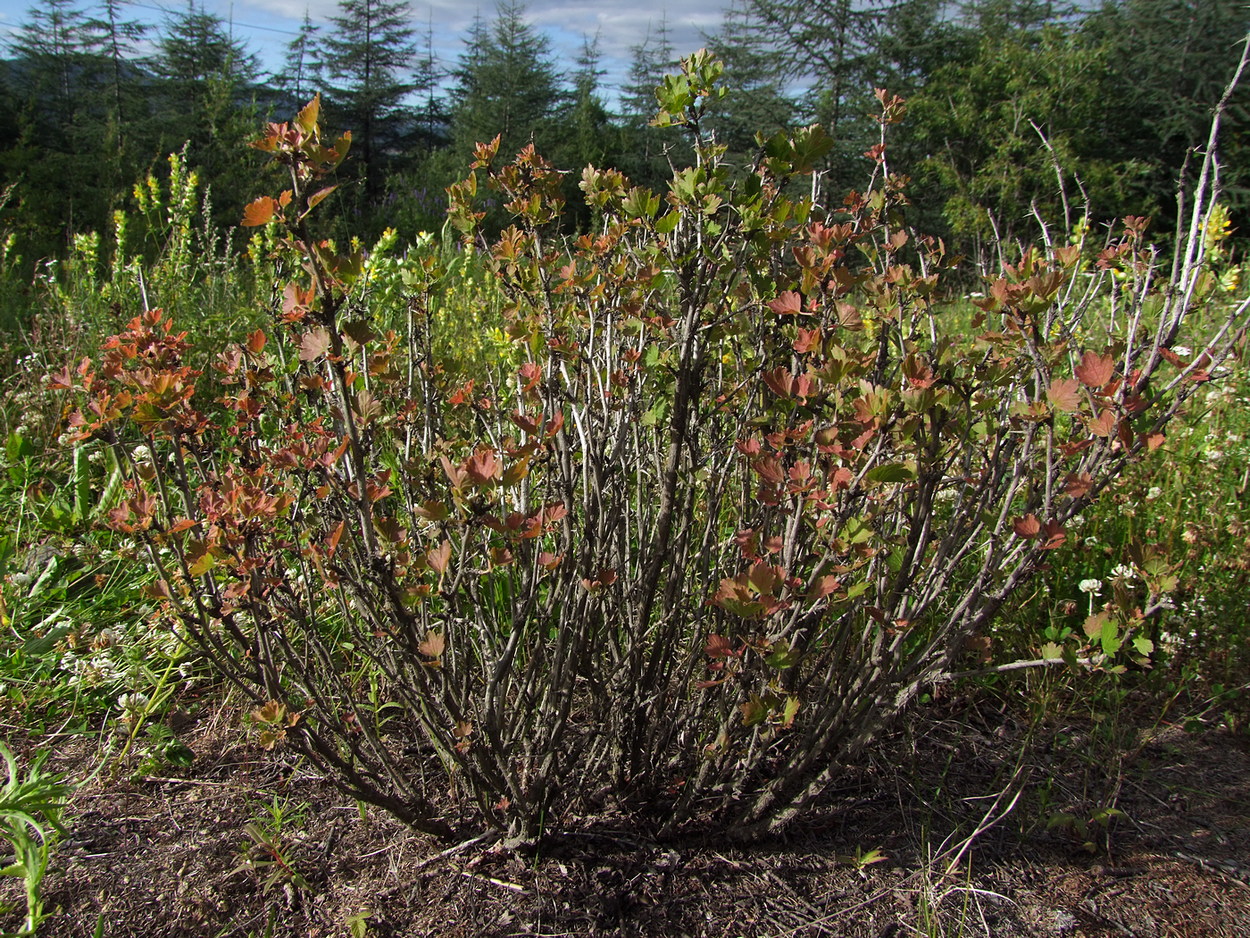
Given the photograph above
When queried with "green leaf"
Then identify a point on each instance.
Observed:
(17, 447)
(309, 114)
(857, 530)
(81, 483)
(857, 590)
(1110, 638)
(783, 658)
(753, 711)
(1051, 652)
(891, 472)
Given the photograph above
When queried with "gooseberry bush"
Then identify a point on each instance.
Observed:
(741, 493)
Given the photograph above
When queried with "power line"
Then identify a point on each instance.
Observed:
(232, 23)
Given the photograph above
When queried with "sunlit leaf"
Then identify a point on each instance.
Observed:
(309, 114)
(259, 212)
(314, 344)
(433, 645)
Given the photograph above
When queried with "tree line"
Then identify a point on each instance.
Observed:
(1018, 110)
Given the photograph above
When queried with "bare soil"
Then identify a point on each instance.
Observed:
(164, 855)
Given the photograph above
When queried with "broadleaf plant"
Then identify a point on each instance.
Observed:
(746, 488)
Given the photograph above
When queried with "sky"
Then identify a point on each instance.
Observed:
(268, 25)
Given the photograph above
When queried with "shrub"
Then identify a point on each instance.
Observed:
(747, 493)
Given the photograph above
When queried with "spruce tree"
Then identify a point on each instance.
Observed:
(206, 101)
(587, 117)
(197, 47)
(368, 63)
(52, 151)
(1168, 64)
(50, 48)
(302, 73)
(506, 84)
(643, 151)
(430, 118)
(652, 59)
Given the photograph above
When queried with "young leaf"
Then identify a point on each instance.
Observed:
(439, 557)
(309, 114)
(260, 212)
(314, 344)
(317, 197)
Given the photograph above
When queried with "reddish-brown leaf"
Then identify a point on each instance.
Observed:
(788, 303)
(1078, 486)
(1064, 394)
(1095, 370)
(1028, 526)
(433, 645)
(780, 381)
(439, 557)
(1054, 534)
(824, 586)
(1104, 425)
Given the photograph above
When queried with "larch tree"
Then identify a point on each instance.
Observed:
(757, 101)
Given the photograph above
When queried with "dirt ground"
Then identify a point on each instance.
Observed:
(168, 856)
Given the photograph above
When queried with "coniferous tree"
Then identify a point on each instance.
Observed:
(998, 122)
(51, 48)
(651, 60)
(116, 40)
(915, 38)
(643, 150)
(430, 118)
(1168, 63)
(50, 156)
(587, 118)
(831, 45)
(197, 47)
(506, 85)
(756, 102)
(122, 124)
(302, 73)
(206, 93)
(368, 62)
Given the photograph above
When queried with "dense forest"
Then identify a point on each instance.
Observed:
(1005, 97)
